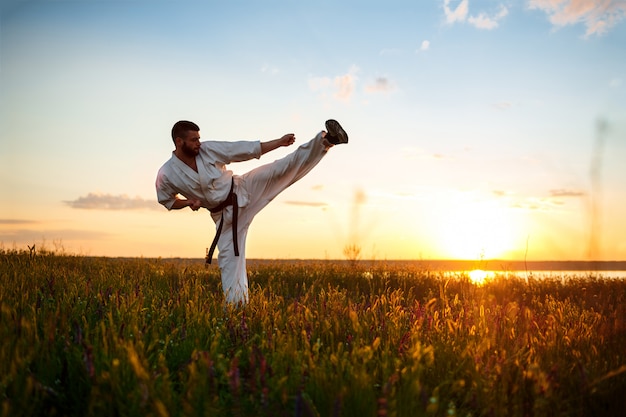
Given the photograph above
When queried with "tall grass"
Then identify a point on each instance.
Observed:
(95, 336)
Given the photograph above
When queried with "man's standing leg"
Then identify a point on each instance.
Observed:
(233, 268)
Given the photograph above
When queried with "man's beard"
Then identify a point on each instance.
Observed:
(189, 151)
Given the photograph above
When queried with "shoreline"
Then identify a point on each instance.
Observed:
(499, 265)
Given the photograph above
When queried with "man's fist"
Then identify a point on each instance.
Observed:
(195, 204)
(287, 139)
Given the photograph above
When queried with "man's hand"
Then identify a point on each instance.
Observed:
(181, 203)
(285, 140)
(194, 204)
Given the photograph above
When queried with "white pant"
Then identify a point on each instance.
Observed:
(262, 185)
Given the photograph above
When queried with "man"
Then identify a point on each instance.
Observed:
(197, 172)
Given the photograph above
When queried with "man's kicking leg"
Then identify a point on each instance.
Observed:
(262, 185)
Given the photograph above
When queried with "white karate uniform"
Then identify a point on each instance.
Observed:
(255, 189)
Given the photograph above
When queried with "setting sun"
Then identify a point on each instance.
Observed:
(476, 230)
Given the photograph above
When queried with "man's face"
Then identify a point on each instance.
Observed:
(190, 143)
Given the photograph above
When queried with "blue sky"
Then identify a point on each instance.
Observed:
(475, 126)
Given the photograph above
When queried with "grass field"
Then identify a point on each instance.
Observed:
(146, 337)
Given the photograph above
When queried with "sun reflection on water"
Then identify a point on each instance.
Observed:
(478, 276)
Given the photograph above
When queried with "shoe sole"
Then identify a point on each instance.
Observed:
(336, 132)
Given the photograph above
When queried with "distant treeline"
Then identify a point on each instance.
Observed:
(451, 265)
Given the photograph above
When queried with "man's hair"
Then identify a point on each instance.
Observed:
(181, 127)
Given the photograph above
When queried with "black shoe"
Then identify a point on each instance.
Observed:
(335, 133)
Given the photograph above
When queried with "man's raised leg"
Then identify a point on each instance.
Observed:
(264, 183)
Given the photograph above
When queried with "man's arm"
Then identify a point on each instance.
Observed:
(168, 196)
(285, 140)
(181, 203)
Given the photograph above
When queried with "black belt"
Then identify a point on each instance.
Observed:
(231, 200)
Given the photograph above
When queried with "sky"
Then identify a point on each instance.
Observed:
(478, 129)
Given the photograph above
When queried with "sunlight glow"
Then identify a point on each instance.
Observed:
(478, 276)
(477, 230)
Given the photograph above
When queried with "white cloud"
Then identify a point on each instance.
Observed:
(380, 85)
(536, 204)
(564, 192)
(344, 86)
(484, 21)
(424, 46)
(481, 21)
(13, 222)
(112, 202)
(597, 16)
(459, 14)
(341, 87)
